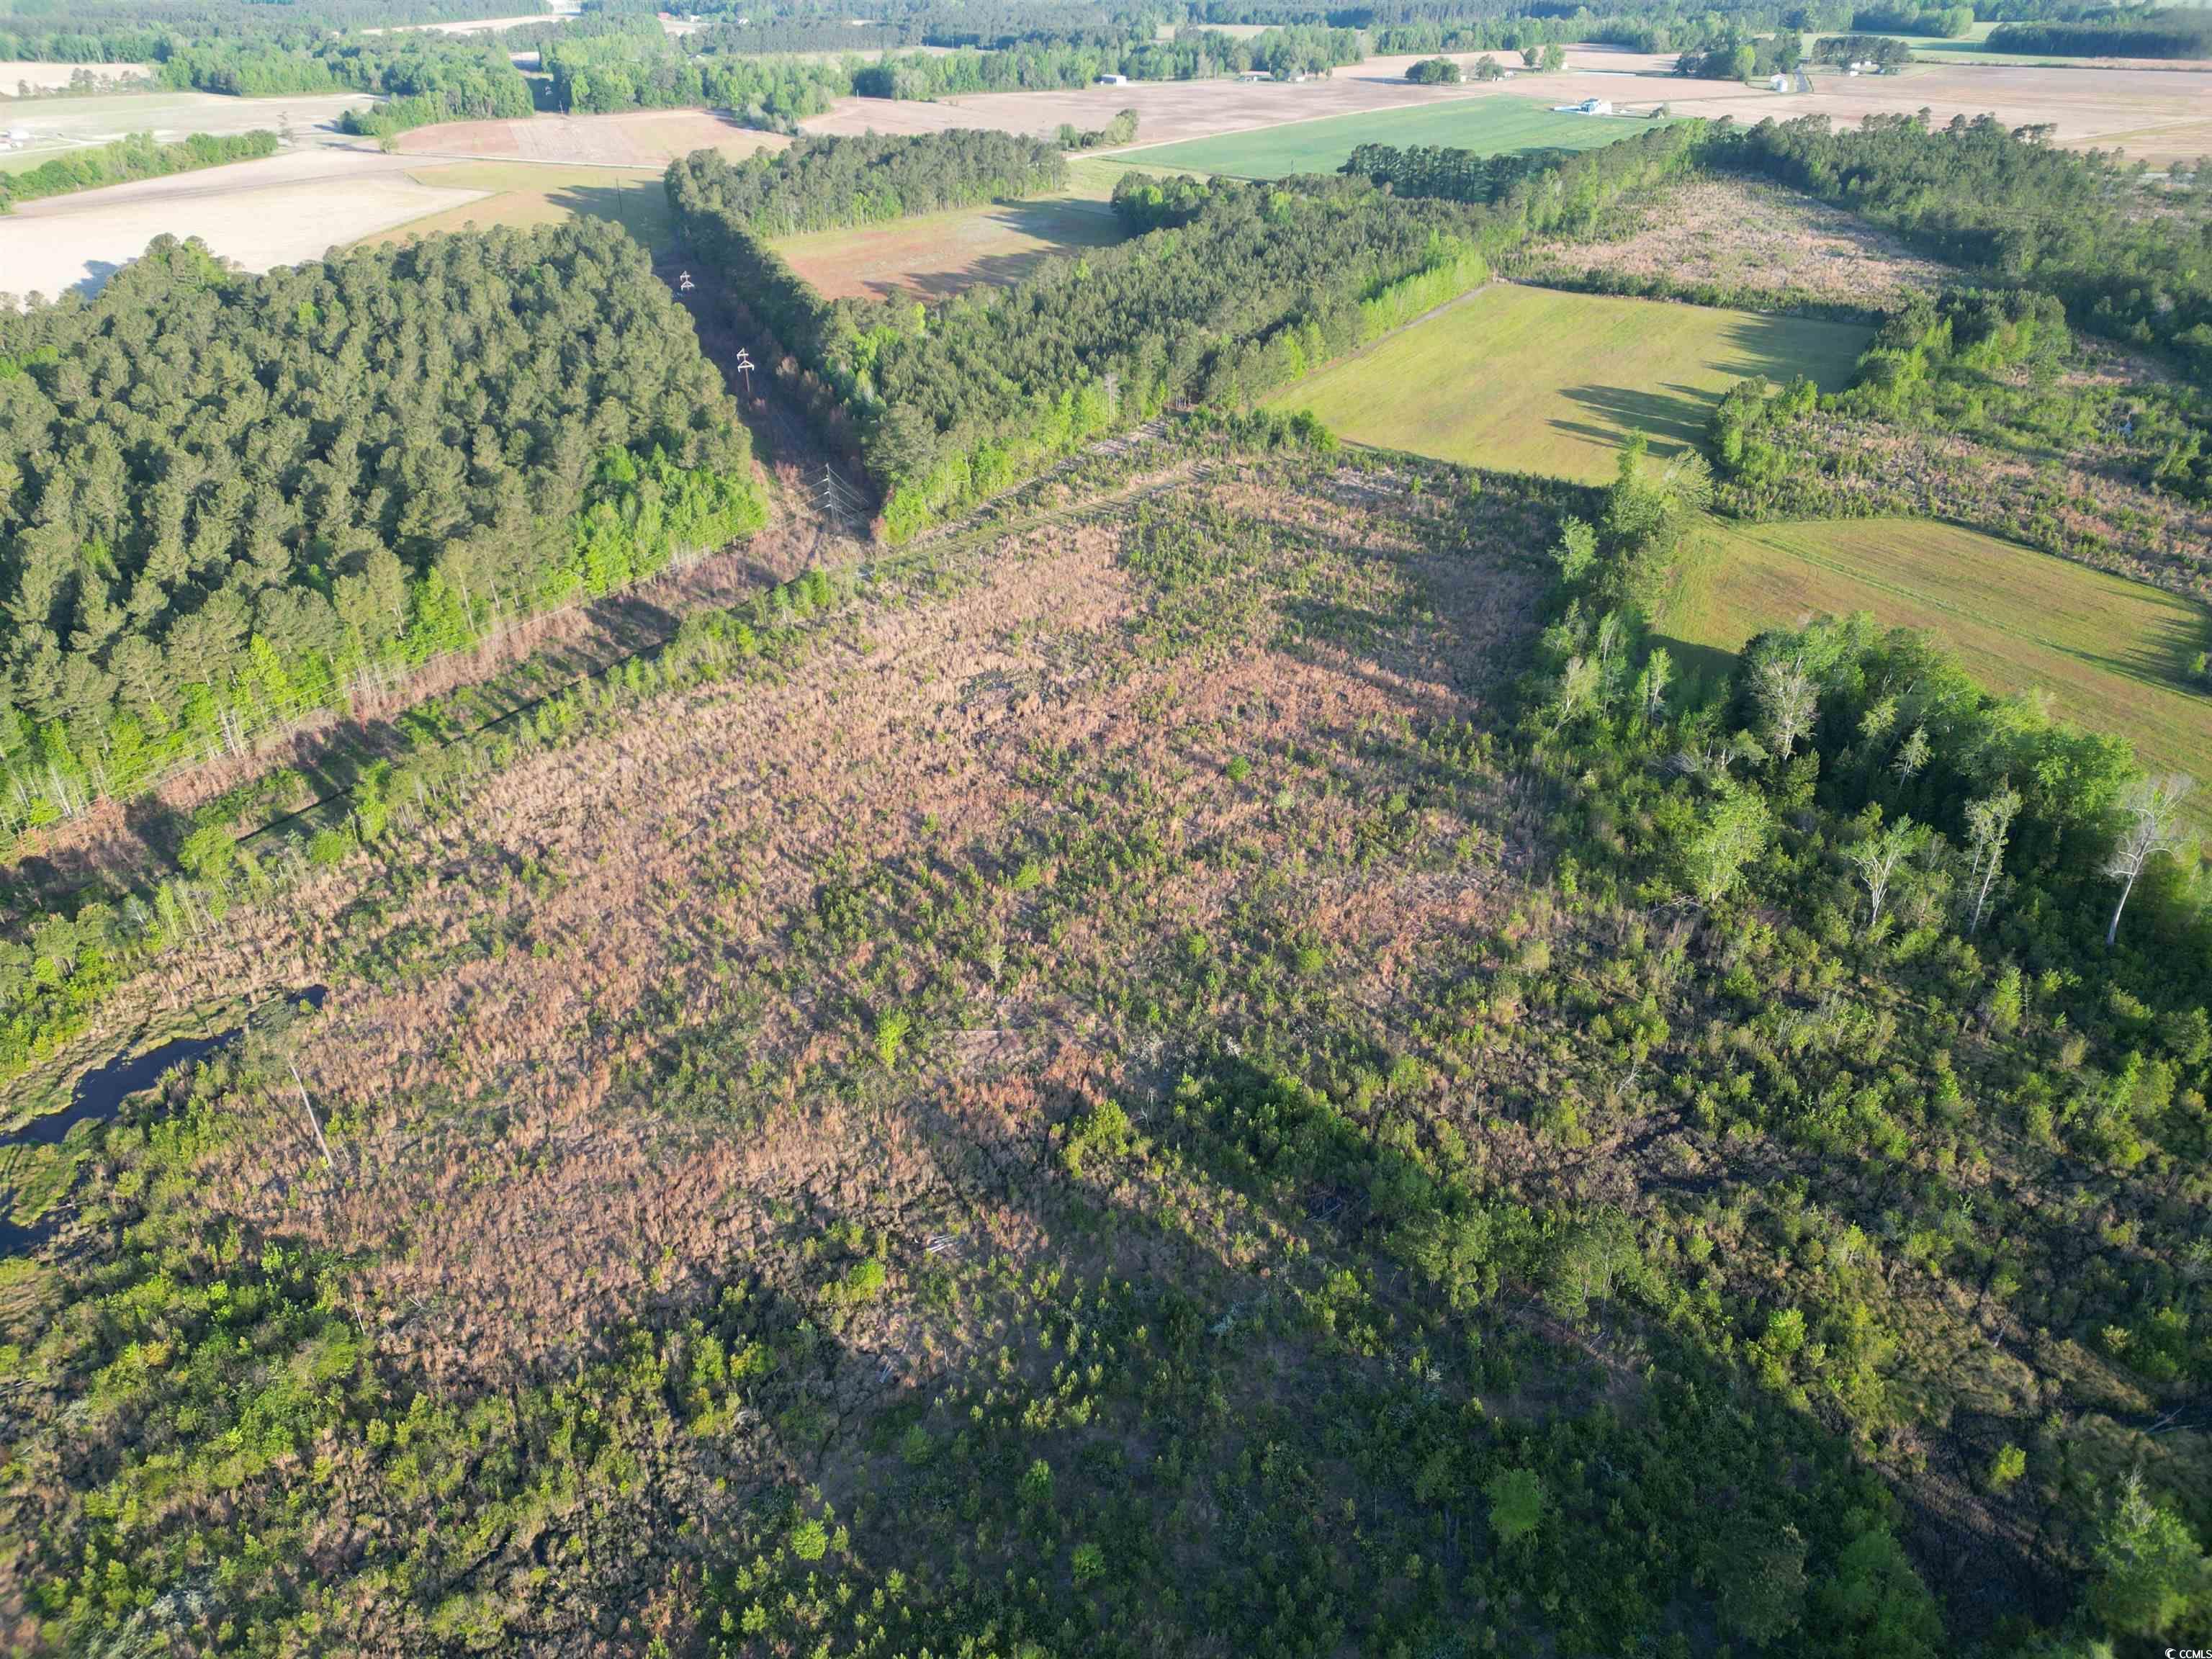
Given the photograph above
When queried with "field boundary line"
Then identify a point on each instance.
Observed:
(1388, 334)
(1309, 120)
(653, 168)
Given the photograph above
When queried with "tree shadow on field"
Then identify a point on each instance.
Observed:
(2159, 652)
(641, 209)
(96, 273)
(1699, 670)
(1067, 229)
(1674, 419)
(1776, 349)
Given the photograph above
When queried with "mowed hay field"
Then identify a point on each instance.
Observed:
(939, 254)
(522, 194)
(2112, 654)
(1490, 126)
(1532, 380)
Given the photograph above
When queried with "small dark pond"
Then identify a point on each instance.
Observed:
(101, 1092)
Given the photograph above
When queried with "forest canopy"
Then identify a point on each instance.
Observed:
(1244, 286)
(822, 184)
(2006, 205)
(227, 498)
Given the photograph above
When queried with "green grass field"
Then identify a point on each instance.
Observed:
(1495, 125)
(2112, 654)
(1535, 380)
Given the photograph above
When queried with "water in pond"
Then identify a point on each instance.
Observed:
(101, 1092)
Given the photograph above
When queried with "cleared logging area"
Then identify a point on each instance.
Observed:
(2112, 654)
(1740, 236)
(1535, 380)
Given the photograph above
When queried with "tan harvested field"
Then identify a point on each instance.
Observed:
(2156, 115)
(289, 207)
(523, 194)
(57, 125)
(15, 72)
(1748, 235)
(477, 25)
(637, 138)
(1171, 111)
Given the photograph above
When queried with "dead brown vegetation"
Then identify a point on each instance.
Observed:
(1750, 238)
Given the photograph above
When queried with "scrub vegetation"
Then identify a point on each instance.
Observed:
(1564, 1009)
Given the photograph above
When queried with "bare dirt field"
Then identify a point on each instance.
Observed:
(639, 138)
(1748, 235)
(16, 72)
(259, 214)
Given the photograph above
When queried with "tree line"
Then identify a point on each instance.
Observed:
(471, 79)
(888, 26)
(149, 31)
(138, 156)
(1840, 50)
(1244, 289)
(2134, 32)
(628, 62)
(2013, 208)
(823, 184)
(1453, 175)
(1040, 65)
(641, 68)
(1948, 22)
(2021, 889)
(232, 499)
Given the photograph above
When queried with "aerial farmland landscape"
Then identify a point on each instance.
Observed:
(1031, 828)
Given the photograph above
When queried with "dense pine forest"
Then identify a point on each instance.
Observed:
(229, 498)
(820, 184)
